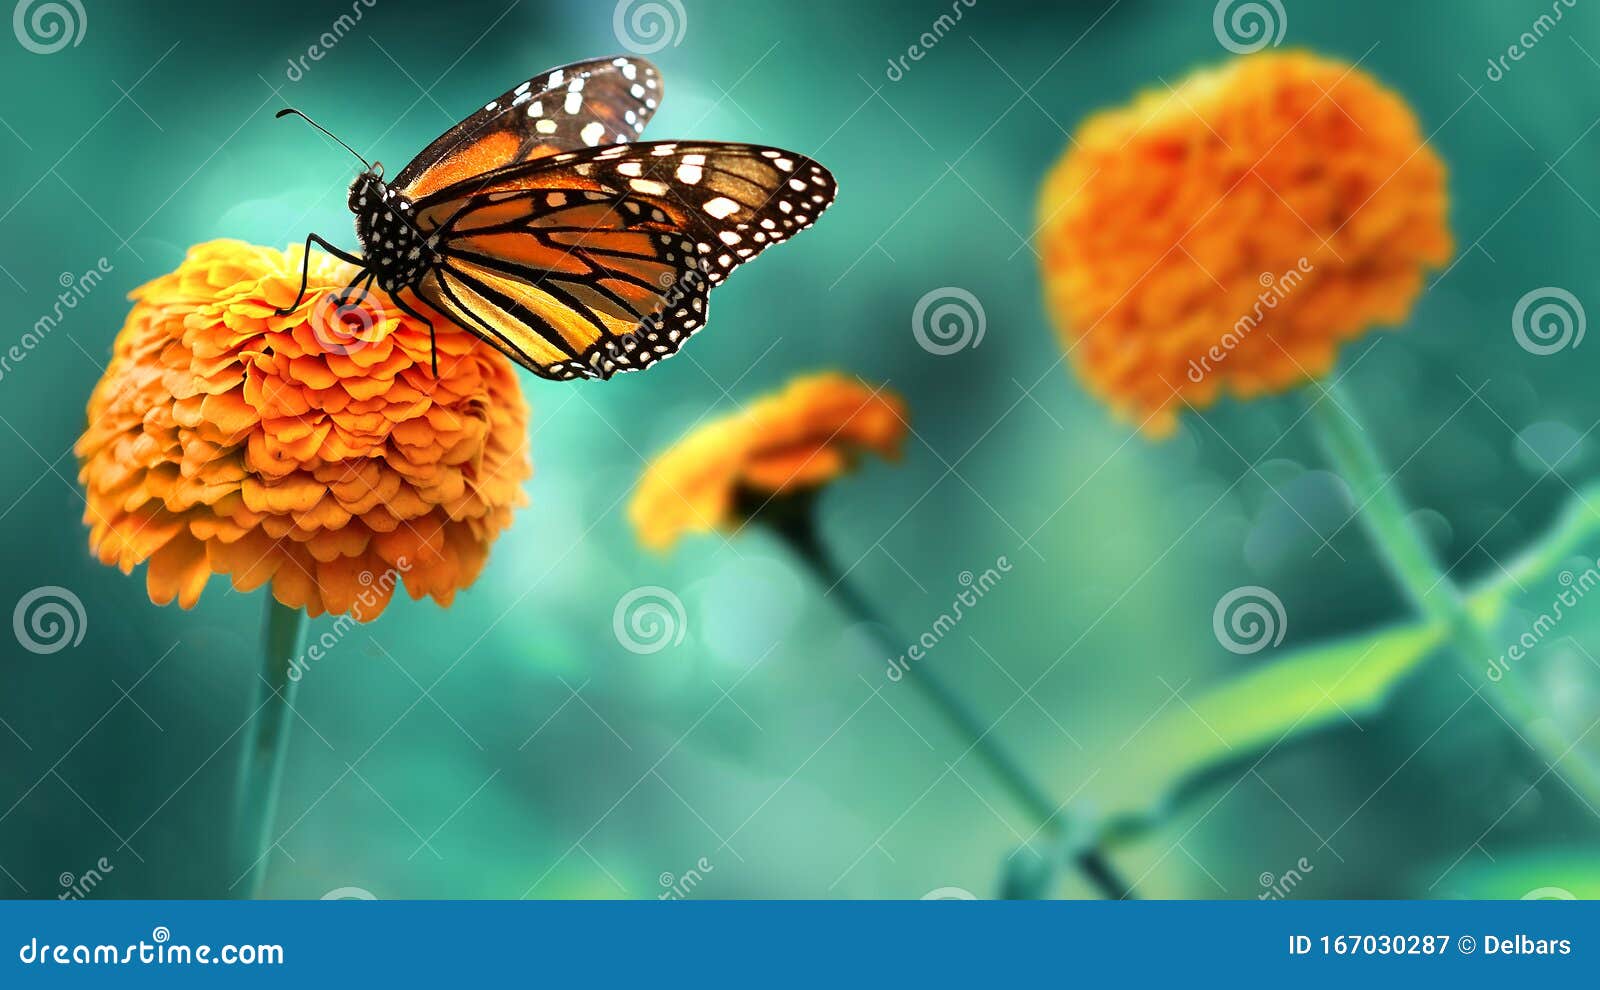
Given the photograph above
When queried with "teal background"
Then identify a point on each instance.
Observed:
(510, 747)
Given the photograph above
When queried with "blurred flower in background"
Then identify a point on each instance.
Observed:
(1232, 231)
(765, 465)
(313, 450)
(791, 442)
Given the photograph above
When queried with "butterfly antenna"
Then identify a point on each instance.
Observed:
(288, 110)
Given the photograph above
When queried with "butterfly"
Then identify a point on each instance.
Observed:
(537, 225)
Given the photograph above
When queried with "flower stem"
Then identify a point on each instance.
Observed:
(261, 769)
(796, 525)
(1383, 513)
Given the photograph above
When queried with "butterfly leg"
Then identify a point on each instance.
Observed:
(305, 268)
(433, 340)
(361, 277)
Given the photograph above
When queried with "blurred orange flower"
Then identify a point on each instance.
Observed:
(313, 450)
(1233, 231)
(793, 441)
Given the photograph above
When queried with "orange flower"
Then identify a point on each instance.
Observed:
(1234, 231)
(314, 450)
(794, 441)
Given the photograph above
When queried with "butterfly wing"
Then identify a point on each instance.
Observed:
(600, 102)
(585, 264)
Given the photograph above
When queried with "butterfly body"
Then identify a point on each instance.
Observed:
(396, 253)
(536, 225)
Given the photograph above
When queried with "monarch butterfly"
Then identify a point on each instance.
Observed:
(535, 225)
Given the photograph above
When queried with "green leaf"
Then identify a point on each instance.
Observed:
(1191, 745)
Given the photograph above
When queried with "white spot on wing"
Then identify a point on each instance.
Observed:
(722, 207)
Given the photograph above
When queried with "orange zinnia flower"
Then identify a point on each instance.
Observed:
(313, 450)
(1233, 231)
(794, 441)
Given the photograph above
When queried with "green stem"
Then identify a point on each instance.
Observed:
(794, 521)
(1384, 514)
(261, 768)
